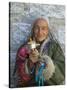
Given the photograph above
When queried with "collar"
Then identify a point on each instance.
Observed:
(43, 44)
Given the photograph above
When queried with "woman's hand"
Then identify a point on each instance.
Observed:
(34, 54)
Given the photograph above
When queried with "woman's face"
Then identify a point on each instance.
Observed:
(41, 30)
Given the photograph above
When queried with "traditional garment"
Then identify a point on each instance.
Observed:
(52, 54)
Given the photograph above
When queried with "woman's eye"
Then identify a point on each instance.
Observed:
(44, 28)
(36, 28)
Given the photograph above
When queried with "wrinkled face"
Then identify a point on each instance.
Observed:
(41, 30)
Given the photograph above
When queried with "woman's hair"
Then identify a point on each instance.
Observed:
(34, 24)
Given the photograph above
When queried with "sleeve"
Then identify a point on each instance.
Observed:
(58, 58)
(21, 57)
(49, 68)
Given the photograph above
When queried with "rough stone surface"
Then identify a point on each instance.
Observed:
(22, 16)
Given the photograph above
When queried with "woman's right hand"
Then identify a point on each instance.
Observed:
(33, 56)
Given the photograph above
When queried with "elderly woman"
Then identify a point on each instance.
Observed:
(41, 65)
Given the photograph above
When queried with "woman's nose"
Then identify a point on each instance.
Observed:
(39, 31)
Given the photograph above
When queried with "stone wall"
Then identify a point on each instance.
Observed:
(22, 16)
